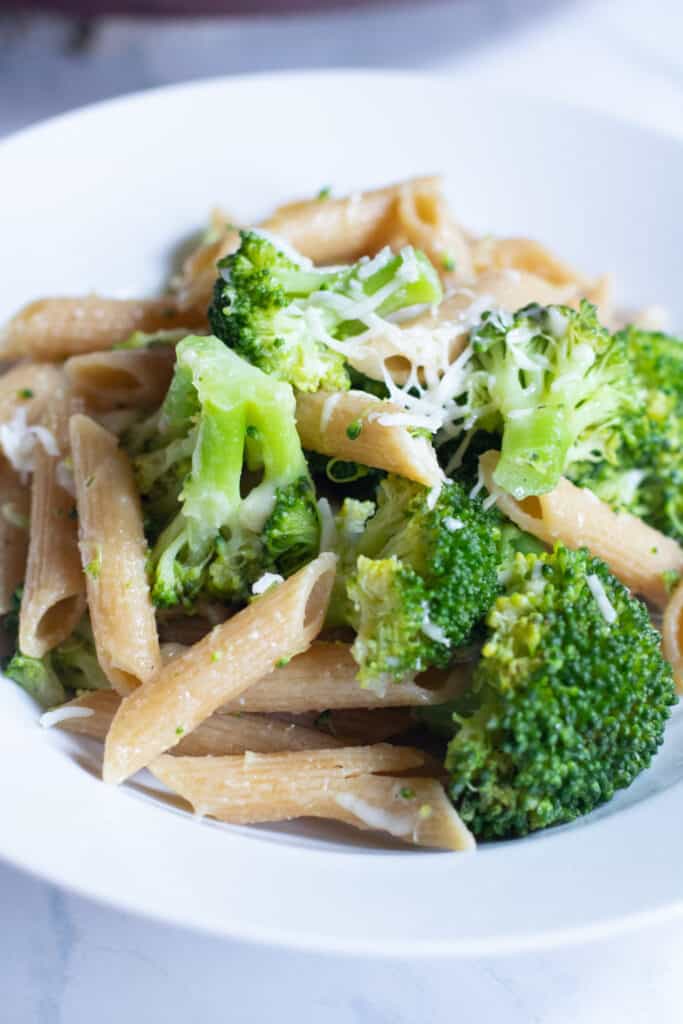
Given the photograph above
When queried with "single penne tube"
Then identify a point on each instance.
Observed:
(55, 328)
(53, 600)
(329, 230)
(135, 378)
(338, 785)
(14, 533)
(421, 217)
(352, 425)
(365, 725)
(235, 654)
(672, 635)
(113, 554)
(27, 387)
(91, 715)
(637, 554)
(325, 677)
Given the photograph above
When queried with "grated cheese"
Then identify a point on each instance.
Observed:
(328, 528)
(18, 440)
(376, 817)
(58, 715)
(432, 630)
(265, 582)
(452, 524)
(329, 405)
(596, 588)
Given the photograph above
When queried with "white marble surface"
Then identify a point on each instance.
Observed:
(66, 961)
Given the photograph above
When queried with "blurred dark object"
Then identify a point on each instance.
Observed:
(98, 8)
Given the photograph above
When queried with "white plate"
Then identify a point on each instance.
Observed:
(95, 200)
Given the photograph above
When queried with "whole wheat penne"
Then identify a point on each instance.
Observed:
(218, 735)
(365, 725)
(194, 284)
(54, 328)
(135, 378)
(342, 230)
(637, 554)
(422, 218)
(281, 623)
(672, 635)
(336, 784)
(324, 677)
(28, 387)
(113, 553)
(350, 425)
(14, 532)
(53, 600)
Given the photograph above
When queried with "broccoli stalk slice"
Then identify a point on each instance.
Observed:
(219, 415)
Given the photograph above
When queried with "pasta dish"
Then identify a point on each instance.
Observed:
(367, 518)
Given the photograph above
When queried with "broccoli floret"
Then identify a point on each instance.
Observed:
(290, 319)
(226, 490)
(647, 478)
(426, 572)
(55, 677)
(573, 697)
(554, 382)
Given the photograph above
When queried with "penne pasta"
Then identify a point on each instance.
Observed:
(55, 328)
(637, 554)
(14, 533)
(53, 600)
(220, 734)
(235, 654)
(136, 378)
(324, 677)
(342, 230)
(194, 284)
(113, 554)
(351, 425)
(339, 785)
(27, 387)
(672, 635)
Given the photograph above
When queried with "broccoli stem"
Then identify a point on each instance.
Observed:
(534, 451)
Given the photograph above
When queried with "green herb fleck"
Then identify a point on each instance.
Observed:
(281, 662)
(425, 811)
(671, 578)
(216, 655)
(94, 566)
(353, 430)
(406, 793)
(179, 730)
(325, 192)
(90, 481)
(448, 263)
(25, 393)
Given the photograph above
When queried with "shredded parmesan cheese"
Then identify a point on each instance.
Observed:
(376, 817)
(265, 582)
(18, 441)
(432, 630)
(51, 718)
(596, 588)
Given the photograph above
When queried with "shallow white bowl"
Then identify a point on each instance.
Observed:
(96, 201)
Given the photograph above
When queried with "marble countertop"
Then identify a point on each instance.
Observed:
(67, 961)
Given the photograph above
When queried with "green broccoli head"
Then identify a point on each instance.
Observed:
(573, 696)
(647, 476)
(289, 318)
(555, 383)
(68, 668)
(425, 575)
(225, 486)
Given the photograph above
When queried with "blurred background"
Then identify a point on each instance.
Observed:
(620, 55)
